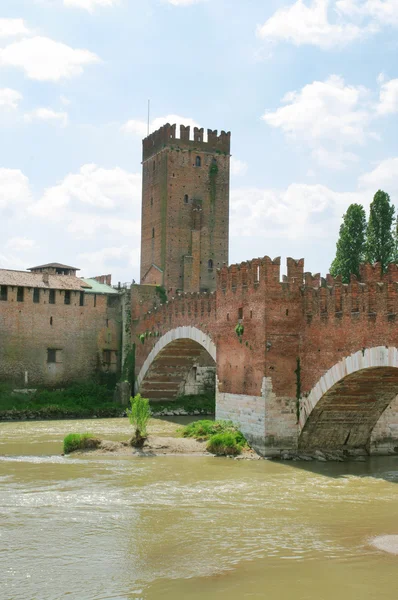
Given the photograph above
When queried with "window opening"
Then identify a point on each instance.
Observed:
(36, 295)
(151, 201)
(153, 232)
(3, 293)
(198, 162)
(20, 294)
(210, 264)
(51, 355)
(81, 298)
(67, 297)
(107, 356)
(51, 297)
(51, 320)
(240, 313)
(95, 300)
(186, 199)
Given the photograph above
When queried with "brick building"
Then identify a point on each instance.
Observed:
(55, 327)
(185, 208)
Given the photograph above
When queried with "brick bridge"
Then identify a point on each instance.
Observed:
(314, 365)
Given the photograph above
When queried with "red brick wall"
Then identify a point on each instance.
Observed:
(81, 332)
(283, 322)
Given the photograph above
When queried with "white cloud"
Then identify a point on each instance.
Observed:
(301, 24)
(92, 186)
(20, 244)
(300, 212)
(14, 190)
(381, 11)
(140, 128)
(184, 2)
(44, 59)
(84, 226)
(238, 167)
(90, 5)
(326, 115)
(48, 115)
(388, 98)
(13, 28)
(9, 98)
(383, 176)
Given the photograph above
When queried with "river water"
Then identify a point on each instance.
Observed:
(106, 527)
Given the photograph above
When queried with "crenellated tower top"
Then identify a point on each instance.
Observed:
(166, 136)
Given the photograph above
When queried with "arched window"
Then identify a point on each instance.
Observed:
(210, 264)
(198, 162)
(153, 232)
(186, 199)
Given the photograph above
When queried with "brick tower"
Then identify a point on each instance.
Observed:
(185, 208)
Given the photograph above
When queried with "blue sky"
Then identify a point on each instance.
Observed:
(309, 90)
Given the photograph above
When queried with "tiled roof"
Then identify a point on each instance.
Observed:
(99, 288)
(54, 265)
(35, 280)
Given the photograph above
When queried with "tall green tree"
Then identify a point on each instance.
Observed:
(380, 244)
(350, 249)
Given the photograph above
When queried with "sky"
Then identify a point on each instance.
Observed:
(308, 89)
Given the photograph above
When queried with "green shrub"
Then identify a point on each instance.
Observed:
(139, 415)
(225, 444)
(80, 441)
(205, 430)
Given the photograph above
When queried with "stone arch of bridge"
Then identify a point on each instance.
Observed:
(172, 366)
(345, 405)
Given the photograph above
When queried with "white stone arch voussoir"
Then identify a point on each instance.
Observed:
(381, 356)
(181, 333)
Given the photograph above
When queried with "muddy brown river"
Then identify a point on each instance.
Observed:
(122, 528)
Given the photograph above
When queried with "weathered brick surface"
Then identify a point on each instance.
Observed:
(79, 333)
(185, 208)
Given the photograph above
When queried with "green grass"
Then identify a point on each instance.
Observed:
(228, 443)
(81, 400)
(203, 402)
(80, 441)
(222, 436)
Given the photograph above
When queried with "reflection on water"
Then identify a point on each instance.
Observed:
(107, 527)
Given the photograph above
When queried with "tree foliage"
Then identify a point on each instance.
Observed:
(350, 248)
(380, 244)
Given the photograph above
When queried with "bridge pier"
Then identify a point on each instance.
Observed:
(269, 423)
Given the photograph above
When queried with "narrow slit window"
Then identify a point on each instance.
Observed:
(20, 294)
(51, 320)
(210, 264)
(186, 199)
(67, 297)
(81, 298)
(51, 355)
(153, 232)
(240, 313)
(3, 293)
(95, 300)
(51, 297)
(36, 295)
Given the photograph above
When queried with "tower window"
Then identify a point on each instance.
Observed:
(151, 201)
(186, 199)
(154, 165)
(67, 297)
(3, 293)
(198, 162)
(36, 295)
(20, 294)
(81, 299)
(51, 297)
(210, 264)
(153, 232)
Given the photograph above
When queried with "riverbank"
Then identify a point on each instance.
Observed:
(87, 401)
(161, 446)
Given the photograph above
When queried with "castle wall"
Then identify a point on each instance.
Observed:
(86, 339)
